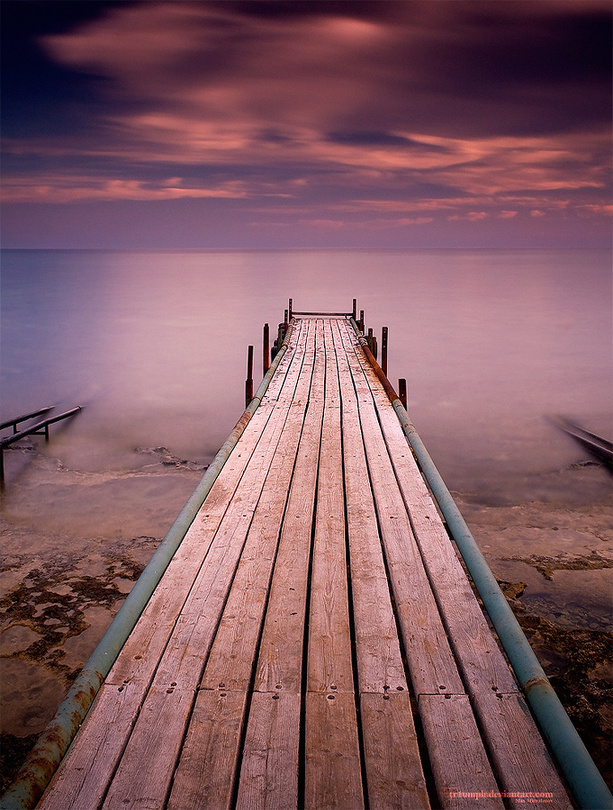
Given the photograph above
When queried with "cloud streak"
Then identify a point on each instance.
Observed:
(405, 113)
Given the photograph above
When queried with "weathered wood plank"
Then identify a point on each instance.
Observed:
(474, 645)
(156, 738)
(188, 647)
(394, 773)
(281, 649)
(209, 757)
(379, 660)
(457, 756)
(329, 647)
(431, 662)
(77, 785)
(518, 752)
(235, 647)
(333, 778)
(269, 773)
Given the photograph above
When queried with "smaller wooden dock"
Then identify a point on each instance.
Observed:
(315, 642)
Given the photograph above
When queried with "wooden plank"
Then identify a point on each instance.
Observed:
(457, 757)
(77, 785)
(392, 759)
(394, 774)
(379, 660)
(209, 758)
(333, 778)
(161, 722)
(518, 752)
(235, 647)
(269, 772)
(431, 662)
(281, 649)
(329, 665)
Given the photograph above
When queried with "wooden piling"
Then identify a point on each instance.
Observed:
(402, 392)
(249, 381)
(266, 349)
(384, 332)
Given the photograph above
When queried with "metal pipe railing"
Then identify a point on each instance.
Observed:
(43, 760)
(24, 418)
(578, 767)
(38, 429)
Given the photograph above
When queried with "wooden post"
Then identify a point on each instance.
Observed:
(361, 323)
(285, 321)
(354, 312)
(384, 350)
(290, 308)
(372, 343)
(402, 392)
(266, 349)
(249, 381)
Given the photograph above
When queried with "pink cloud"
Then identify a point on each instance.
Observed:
(70, 189)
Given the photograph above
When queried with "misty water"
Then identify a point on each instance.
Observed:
(154, 346)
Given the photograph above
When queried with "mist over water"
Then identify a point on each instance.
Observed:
(154, 344)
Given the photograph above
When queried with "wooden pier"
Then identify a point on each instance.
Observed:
(315, 642)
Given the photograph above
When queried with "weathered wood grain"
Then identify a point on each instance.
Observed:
(209, 758)
(431, 662)
(235, 647)
(77, 785)
(518, 753)
(281, 648)
(457, 756)
(379, 661)
(333, 778)
(144, 774)
(269, 772)
(394, 773)
(330, 664)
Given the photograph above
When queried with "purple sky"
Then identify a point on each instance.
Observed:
(418, 123)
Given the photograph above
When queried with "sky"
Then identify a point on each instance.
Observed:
(394, 123)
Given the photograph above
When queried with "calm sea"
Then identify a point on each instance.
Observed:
(154, 346)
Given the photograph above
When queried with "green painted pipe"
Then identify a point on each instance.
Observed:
(44, 758)
(582, 775)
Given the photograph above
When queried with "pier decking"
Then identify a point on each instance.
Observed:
(315, 641)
